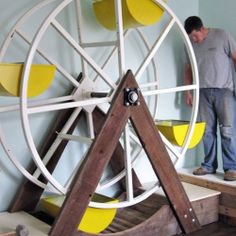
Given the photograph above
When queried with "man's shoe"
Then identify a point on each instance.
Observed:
(230, 175)
(202, 171)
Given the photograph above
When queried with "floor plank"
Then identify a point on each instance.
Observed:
(215, 229)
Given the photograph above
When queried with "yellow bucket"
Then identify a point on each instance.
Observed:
(176, 131)
(135, 13)
(95, 220)
(41, 77)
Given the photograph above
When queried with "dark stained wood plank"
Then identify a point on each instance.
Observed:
(206, 210)
(155, 225)
(215, 229)
(117, 160)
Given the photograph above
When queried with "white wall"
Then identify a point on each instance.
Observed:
(169, 67)
(219, 14)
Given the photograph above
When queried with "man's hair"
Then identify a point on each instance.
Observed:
(193, 23)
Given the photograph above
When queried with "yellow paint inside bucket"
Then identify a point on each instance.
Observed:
(135, 13)
(95, 220)
(176, 131)
(41, 77)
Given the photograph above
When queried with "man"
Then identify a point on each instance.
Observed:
(215, 52)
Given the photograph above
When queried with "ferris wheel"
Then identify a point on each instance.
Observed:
(86, 84)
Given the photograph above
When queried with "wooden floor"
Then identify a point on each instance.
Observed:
(215, 229)
(220, 228)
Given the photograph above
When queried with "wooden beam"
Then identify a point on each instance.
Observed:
(117, 160)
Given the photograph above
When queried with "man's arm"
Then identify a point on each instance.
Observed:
(188, 80)
(234, 59)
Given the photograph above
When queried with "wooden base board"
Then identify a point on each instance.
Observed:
(227, 200)
(9, 222)
(204, 202)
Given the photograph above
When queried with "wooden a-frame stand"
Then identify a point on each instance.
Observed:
(89, 174)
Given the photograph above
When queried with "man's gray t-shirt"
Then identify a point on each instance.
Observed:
(214, 61)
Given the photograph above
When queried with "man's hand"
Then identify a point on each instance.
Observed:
(187, 81)
(188, 98)
(234, 59)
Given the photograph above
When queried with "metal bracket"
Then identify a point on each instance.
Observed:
(131, 96)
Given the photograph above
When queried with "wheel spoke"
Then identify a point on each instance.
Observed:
(79, 22)
(44, 55)
(111, 54)
(90, 125)
(169, 90)
(38, 103)
(154, 49)
(67, 105)
(76, 138)
(120, 38)
(58, 140)
(128, 164)
(83, 53)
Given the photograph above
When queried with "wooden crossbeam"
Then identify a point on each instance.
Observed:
(90, 172)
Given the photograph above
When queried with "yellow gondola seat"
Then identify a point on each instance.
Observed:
(135, 13)
(175, 131)
(95, 220)
(41, 77)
